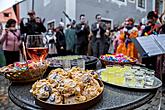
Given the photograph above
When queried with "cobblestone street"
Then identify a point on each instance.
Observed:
(154, 103)
(6, 104)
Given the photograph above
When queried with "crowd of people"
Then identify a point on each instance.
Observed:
(80, 38)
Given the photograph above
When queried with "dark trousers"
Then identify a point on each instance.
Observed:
(69, 52)
(82, 49)
(150, 62)
(160, 68)
(98, 47)
(61, 52)
(51, 55)
(11, 56)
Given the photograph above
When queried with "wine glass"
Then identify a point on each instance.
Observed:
(37, 47)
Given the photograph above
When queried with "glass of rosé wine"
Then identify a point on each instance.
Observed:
(37, 47)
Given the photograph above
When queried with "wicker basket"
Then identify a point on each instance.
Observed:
(24, 76)
(105, 62)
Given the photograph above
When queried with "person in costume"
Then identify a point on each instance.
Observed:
(153, 24)
(126, 46)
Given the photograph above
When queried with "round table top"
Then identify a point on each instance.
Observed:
(113, 97)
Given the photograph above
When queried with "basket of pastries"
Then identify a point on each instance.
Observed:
(109, 59)
(74, 89)
(24, 71)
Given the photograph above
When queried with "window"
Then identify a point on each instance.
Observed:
(131, 1)
(6, 14)
(107, 21)
(141, 5)
(120, 2)
(1, 28)
(46, 2)
(159, 6)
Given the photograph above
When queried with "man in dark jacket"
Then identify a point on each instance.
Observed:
(33, 25)
(82, 32)
(60, 41)
(98, 39)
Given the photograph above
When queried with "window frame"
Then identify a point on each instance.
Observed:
(46, 2)
(132, 1)
(7, 14)
(141, 8)
(119, 2)
(161, 10)
(109, 20)
(163, 6)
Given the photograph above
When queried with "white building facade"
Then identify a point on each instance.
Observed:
(114, 11)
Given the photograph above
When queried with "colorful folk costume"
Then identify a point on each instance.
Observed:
(121, 48)
(131, 49)
(126, 46)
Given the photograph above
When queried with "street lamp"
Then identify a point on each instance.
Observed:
(33, 5)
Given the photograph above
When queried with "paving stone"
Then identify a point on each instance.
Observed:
(13, 108)
(2, 108)
(156, 102)
(149, 108)
(144, 107)
(149, 102)
(163, 102)
(163, 107)
(138, 108)
(155, 107)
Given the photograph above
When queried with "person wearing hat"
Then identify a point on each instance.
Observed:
(33, 25)
(126, 46)
(60, 41)
(32, 15)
